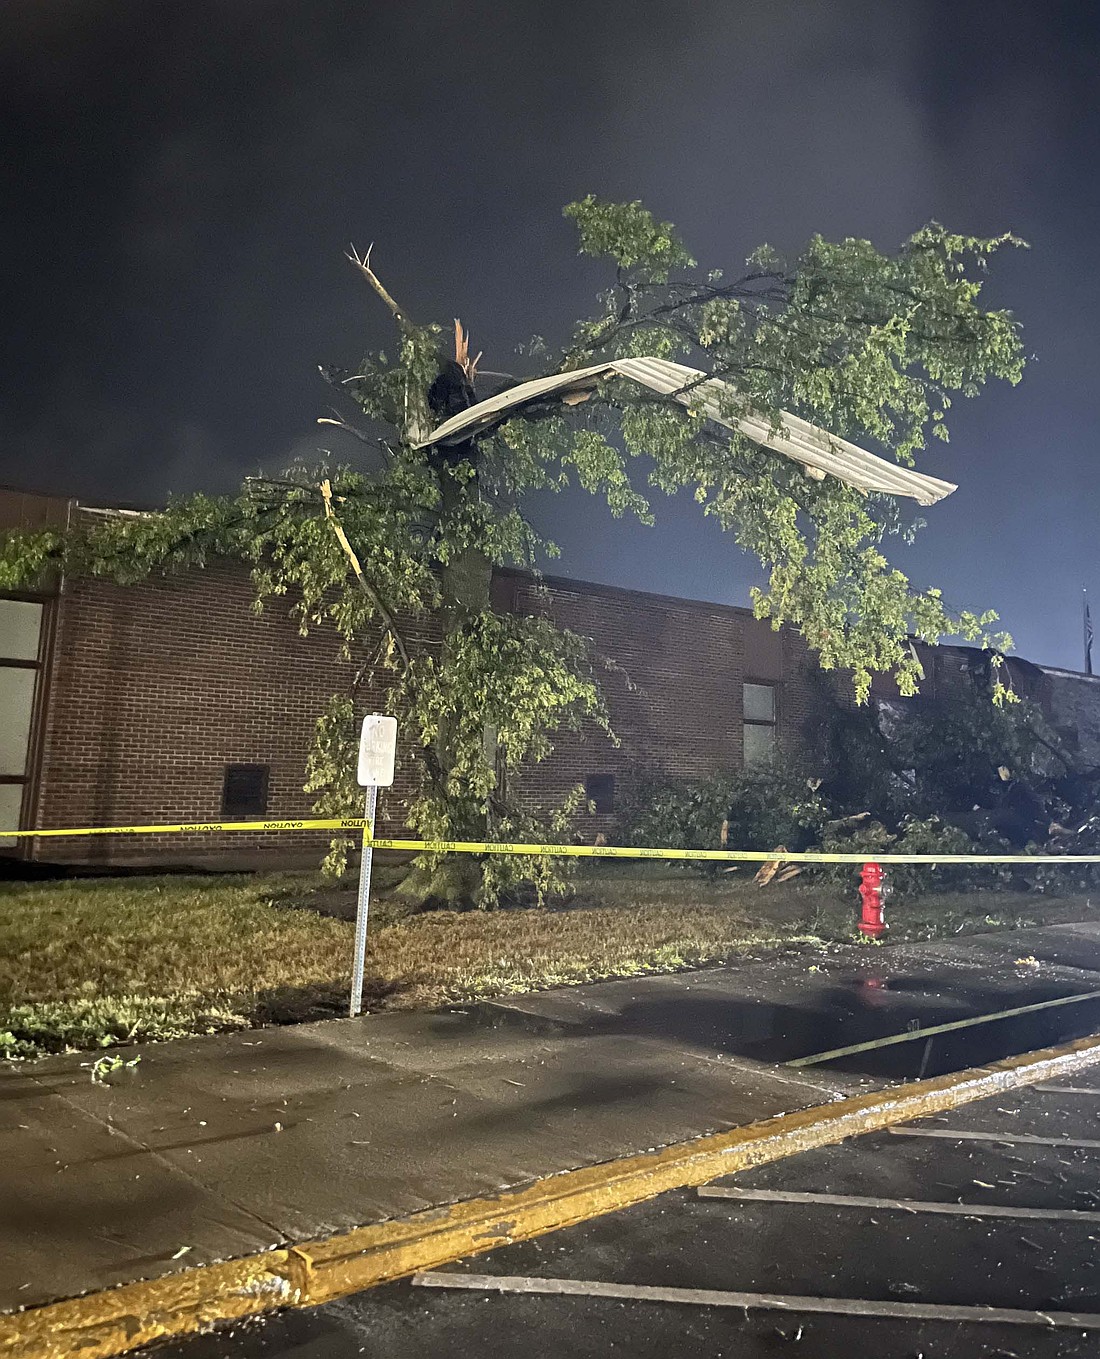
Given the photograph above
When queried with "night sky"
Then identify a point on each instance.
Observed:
(180, 181)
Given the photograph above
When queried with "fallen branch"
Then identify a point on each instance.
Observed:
(770, 869)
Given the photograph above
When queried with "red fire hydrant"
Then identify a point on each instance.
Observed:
(872, 891)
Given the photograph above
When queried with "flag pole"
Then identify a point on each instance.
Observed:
(1087, 619)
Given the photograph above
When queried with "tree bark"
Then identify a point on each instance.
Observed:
(465, 581)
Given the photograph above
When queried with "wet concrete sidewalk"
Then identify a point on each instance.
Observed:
(219, 1147)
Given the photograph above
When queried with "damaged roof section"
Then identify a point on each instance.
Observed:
(819, 453)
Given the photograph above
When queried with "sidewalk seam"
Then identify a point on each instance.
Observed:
(113, 1130)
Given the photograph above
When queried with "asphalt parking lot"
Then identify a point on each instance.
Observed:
(973, 1234)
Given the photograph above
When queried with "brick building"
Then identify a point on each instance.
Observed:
(172, 701)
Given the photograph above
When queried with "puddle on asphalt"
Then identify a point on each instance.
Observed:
(861, 1008)
(976, 1045)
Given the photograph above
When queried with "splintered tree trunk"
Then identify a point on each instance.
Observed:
(465, 579)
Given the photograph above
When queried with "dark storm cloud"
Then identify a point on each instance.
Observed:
(183, 179)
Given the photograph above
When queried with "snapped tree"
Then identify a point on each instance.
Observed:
(871, 346)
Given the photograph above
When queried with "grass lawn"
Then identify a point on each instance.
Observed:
(88, 963)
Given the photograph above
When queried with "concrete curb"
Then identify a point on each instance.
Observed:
(112, 1322)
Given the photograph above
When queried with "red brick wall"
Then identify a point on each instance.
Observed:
(675, 696)
(156, 687)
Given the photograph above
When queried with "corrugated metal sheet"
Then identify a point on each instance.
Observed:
(818, 452)
(796, 439)
(495, 409)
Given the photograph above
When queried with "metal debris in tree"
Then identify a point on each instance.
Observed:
(819, 453)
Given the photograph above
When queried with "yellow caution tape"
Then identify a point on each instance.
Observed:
(189, 828)
(357, 823)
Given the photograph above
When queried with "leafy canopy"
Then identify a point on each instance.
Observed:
(872, 346)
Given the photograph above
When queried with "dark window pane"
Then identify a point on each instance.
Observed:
(16, 711)
(20, 623)
(759, 743)
(599, 789)
(11, 804)
(759, 702)
(244, 792)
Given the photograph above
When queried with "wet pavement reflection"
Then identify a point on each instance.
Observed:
(849, 1010)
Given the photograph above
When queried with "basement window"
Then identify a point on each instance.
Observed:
(599, 789)
(244, 790)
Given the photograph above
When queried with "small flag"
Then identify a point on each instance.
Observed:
(1088, 638)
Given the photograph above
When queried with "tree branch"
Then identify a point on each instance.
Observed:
(629, 318)
(364, 585)
(337, 419)
(362, 263)
(1066, 759)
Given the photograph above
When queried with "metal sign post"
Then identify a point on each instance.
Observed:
(377, 755)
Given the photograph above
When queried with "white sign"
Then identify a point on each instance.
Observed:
(377, 751)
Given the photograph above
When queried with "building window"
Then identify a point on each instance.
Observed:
(759, 716)
(20, 638)
(244, 791)
(599, 789)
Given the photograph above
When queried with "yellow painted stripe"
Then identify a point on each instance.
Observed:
(356, 823)
(101, 1325)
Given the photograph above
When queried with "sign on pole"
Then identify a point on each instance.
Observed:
(377, 751)
(377, 757)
